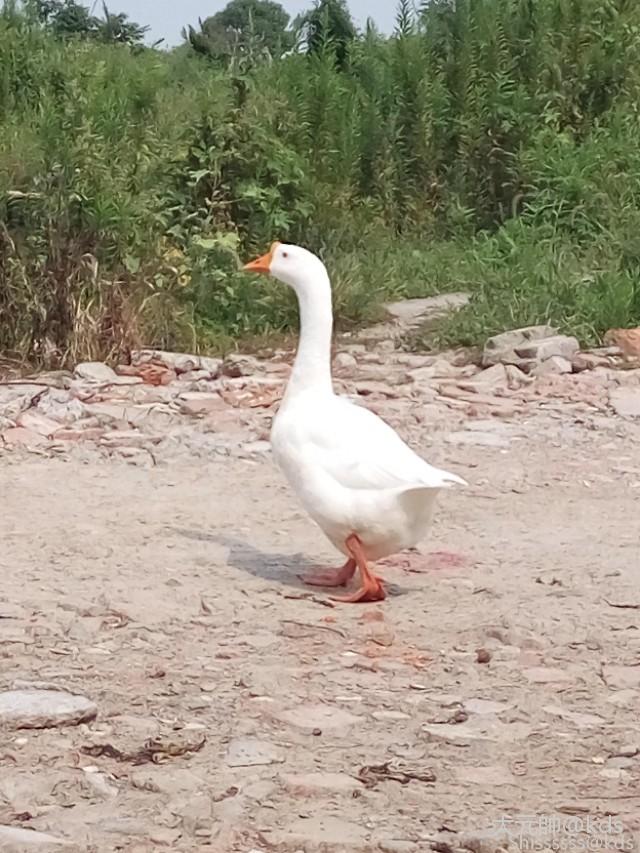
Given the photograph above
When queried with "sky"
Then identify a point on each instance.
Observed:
(167, 17)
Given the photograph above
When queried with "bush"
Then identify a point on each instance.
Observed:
(488, 145)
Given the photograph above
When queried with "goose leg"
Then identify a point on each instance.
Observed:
(337, 577)
(371, 589)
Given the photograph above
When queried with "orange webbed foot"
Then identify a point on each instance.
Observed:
(372, 590)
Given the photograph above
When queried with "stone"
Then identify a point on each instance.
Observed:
(516, 378)
(582, 361)
(127, 379)
(502, 348)
(628, 378)
(490, 841)
(483, 655)
(278, 368)
(344, 363)
(320, 784)
(107, 414)
(22, 436)
(237, 365)
(249, 752)
(546, 675)
(580, 720)
(100, 785)
(156, 375)
(439, 369)
(485, 706)
(485, 775)
(24, 839)
(376, 389)
(396, 845)
(621, 677)
(37, 422)
(89, 434)
(629, 750)
(493, 377)
(196, 376)
(95, 371)
(496, 404)
(454, 733)
(477, 438)
(128, 438)
(15, 399)
(625, 698)
(195, 811)
(61, 407)
(477, 728)
(621, 761)
(390, 716)
(543, 348)
(383, 373)
(124, 826)
(411, 312)
(309, 717)
(625, 402)
(179, 362)
(614, 773)
(323, 834)
(212, 365)
(194, 403)
(556, 364)
(155, 779)
(41, 709)
(627, 340)
(253, 449)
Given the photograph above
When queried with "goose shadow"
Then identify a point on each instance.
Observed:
(273, 566)
(267, 565)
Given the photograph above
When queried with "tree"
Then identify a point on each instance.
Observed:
(118, 28)
(68, 18)
(41, 10)
(242, 23)
(329, 24)
(263, 19)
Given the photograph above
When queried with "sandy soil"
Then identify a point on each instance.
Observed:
(501, 686)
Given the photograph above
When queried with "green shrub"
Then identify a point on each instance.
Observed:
(488, 145)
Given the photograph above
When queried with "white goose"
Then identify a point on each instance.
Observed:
(365, 488)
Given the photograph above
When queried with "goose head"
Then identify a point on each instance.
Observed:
(297, 267)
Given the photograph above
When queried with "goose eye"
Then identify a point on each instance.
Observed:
(285, 254)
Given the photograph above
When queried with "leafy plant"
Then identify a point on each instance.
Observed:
(485, 145)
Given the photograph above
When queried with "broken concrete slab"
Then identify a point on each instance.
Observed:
(412, 312)
(542, 349)
(41, 709)
(502, 348)
(626, 402)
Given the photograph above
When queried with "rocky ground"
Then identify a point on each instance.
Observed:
(168, 683)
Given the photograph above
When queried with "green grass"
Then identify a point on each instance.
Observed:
(470, 153)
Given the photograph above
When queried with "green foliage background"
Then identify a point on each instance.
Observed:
(488, 145)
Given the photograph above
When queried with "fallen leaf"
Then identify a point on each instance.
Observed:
(154, 751)
(371, 774)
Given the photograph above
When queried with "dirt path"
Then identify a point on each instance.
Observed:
(169, 595)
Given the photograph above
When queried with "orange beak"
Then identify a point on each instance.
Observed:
(263, 263)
